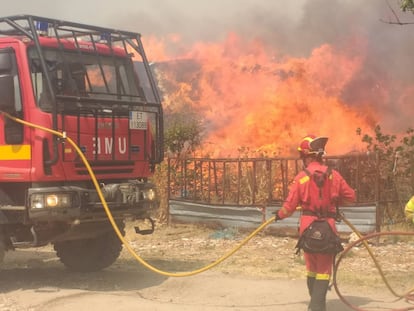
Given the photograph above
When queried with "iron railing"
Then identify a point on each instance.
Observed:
(260, 181)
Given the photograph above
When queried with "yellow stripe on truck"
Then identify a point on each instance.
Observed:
(15, 152)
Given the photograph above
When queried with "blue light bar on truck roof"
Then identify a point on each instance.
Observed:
(105, 37)
(42, 28)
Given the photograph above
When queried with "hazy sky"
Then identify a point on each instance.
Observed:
(296, 25)
(194, 17)
(292, 27)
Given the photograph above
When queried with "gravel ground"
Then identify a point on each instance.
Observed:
(266, 267)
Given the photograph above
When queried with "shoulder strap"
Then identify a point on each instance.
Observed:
(329, 171)
(338, 212)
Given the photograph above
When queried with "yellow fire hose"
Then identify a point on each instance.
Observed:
(112, 221)
(62, 135)
(408, 296)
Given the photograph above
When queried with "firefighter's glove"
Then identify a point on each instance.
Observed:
(277, 217)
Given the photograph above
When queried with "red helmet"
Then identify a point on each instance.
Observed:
(312, 145)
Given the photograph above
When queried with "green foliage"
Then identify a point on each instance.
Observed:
(182, 135)
(407, 5)
(160, 179)
(404, 165)
(183, 131)
(396, 169)
(381, 143)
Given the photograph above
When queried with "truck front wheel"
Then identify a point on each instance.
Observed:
(2, 248)
(89, 255)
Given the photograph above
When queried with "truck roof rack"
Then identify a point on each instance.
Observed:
(34, 26)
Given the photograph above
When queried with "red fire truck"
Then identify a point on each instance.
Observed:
(95, 85)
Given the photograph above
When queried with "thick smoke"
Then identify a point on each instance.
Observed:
(293, 28)
(296, 28)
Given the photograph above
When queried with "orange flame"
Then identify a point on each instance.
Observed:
(254, 100)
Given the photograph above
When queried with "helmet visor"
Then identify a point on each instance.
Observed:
(318, 144)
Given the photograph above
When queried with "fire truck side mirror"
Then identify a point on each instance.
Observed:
(7, 93)
(6, 82)
(6, 63)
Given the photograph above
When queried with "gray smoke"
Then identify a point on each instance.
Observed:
(293, 28)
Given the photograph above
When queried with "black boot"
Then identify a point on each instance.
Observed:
(318, 297)
(310, 281)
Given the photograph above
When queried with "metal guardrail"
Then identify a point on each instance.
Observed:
(364, 217)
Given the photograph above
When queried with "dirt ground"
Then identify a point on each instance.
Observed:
(265, 274)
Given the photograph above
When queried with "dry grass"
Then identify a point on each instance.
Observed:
(183, 247)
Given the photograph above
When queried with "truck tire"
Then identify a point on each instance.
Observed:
(2, 248)
(89, 255)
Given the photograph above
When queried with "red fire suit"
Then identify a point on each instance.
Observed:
(318, 266)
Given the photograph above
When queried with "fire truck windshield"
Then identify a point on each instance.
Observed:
(103, 77)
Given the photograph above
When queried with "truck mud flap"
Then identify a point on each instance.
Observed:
(146, 231)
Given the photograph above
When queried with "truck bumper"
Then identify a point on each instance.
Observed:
(69, 203)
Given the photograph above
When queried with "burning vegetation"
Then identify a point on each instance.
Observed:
(251, 98)
(255, 101)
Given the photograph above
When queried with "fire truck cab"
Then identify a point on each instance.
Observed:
(95, 85)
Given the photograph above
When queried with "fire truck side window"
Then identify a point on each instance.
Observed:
(13, 131)
(42, 95)
(17, 97)
(13, 72)
(55, 73)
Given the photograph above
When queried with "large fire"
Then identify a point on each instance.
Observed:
(253, 99)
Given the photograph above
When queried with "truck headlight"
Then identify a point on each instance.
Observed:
(50, 200)
(149, 194)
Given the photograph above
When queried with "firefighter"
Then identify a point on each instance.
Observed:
(318, 265)
(409, 210)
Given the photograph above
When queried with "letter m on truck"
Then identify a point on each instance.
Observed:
(96, 86)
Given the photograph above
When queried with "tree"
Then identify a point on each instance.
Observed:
(396, 169)
(183, 131)
(407, 5)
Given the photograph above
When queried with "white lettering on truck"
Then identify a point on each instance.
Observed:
(105, 146)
